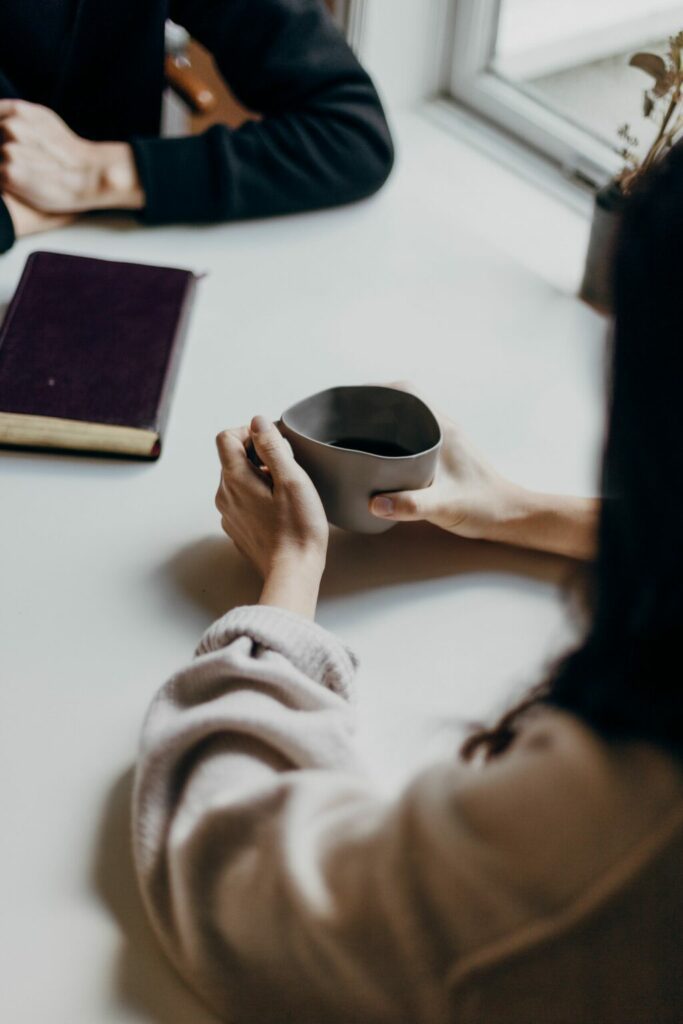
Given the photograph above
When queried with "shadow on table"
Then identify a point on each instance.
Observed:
(212, 574)
(144, 979)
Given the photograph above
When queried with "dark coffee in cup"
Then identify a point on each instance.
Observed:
(364, 444)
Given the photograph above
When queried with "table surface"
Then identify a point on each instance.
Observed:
(458, 276)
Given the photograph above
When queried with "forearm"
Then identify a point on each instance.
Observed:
(293, 584)
(558, 524)
(303, 160)
(323, 138)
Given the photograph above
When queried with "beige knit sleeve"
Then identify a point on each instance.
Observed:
(278, 882)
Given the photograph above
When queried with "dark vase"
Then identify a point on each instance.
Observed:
(597, 285)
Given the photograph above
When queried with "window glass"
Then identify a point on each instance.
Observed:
(573, 57)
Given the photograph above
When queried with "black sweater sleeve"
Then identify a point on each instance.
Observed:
(6, 228)
(323, 138)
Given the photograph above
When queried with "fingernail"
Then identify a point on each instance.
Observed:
(382, 506)
(259, 424)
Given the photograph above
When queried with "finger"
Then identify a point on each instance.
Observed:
(402, 506)
(8, 108)
(231, 446)
(18, 172)
(13, 128)
(272, 449)
(14, 107)
(10, 151)
(7, 129)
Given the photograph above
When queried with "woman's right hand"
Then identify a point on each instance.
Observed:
(468, 497)
(471, 499)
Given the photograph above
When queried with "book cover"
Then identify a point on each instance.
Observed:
(89, 351)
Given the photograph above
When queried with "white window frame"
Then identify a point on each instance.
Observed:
(473, 83)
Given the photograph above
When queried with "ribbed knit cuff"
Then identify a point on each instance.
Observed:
(7, 236)
(178, 177)
(309, 647)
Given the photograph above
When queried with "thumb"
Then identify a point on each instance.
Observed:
(403, 505)
(271, 448)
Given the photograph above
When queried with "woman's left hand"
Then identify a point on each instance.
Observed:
(273, 514)
(50, 168)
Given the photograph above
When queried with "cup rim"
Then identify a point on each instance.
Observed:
(355, 451)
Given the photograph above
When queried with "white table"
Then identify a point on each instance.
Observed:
(458, 276)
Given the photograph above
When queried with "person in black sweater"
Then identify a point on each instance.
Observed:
(81, 83)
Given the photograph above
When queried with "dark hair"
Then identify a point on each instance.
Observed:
(626, 678)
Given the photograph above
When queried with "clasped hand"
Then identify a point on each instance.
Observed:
(48, 174)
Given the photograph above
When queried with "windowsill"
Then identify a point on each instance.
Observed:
(510, 153)
(521, 203)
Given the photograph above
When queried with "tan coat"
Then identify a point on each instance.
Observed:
(543, 888)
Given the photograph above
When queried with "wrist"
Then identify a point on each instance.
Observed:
(115, 180)
(516, 507)
(495, 515)
(306, 564)
(558, 524)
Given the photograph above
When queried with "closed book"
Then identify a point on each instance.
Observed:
(89, 350)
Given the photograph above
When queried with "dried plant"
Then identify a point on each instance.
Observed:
(661, 104)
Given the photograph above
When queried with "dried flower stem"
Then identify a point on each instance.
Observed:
(668, 82)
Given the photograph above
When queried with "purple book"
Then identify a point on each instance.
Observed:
(89, 350)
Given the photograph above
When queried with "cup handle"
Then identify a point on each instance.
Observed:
(251, 451)
(252, 456)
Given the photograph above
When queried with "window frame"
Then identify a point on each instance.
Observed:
(473, 84)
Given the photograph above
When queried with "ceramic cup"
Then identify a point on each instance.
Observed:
(355, 442)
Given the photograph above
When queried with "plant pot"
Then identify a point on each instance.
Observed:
(598, 279)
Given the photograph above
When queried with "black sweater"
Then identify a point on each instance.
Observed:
(323, 139)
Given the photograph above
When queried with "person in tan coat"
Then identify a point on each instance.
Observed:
(535, 880)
